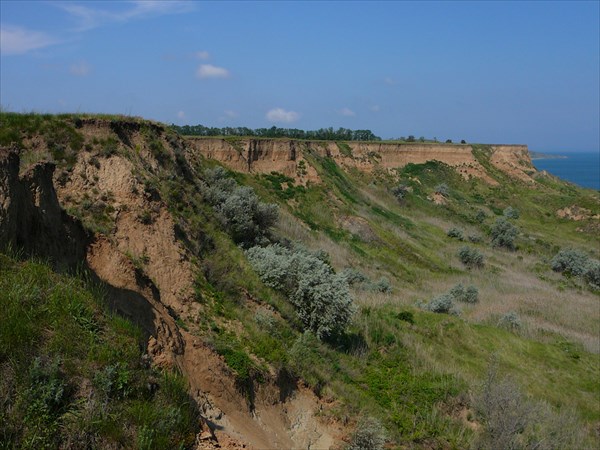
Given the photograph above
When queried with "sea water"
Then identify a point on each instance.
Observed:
(582, 168)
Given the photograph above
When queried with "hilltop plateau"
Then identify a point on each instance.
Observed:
(207, 292)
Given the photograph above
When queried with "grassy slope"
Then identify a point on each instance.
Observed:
(409, 375)
(547, 356)
(72, 373)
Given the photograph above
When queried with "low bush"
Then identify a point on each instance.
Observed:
(359, 280)
(470, 294)
(445, 303)
(400, 192)
(503, 234)
(265, 320)
(321, 298)
(512, 421)
(406, 316)
(511, 213)
(382, 285)
(442, 189)
(510, 321)
(239, 209)
(470, 257)
(442, 304)
(369, 434)
(480, 216)
(592, 274)
(353, 277)
(571, 262)
(474, 238)
(456, 233)
(576, 263)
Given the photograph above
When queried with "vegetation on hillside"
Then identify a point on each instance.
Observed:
(428, 355)
(74, 375)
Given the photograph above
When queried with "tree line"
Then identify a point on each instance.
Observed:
(322, 134)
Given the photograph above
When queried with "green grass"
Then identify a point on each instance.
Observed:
(59, 134)
(405, 366)
(344, 149)
(558, 372)
(439, 344)
(56, 338)
(274, 182)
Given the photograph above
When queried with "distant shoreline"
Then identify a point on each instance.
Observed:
(538, 155)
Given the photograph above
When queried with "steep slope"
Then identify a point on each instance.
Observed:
(73, 375)
(129, 200)
(288, 156)
(131, 246)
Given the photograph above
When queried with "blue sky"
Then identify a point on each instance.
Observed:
(498, 72)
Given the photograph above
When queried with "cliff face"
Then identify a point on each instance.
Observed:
(514, 160)
(30, 215)
(288, 156)
(126, 238)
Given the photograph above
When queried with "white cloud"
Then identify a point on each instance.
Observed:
(210, 71)
(80, 69)
(181, 114)
(228, 115)
(281, 115)
(89, 18)
(347, 112)
(202, 55)
(17, 40)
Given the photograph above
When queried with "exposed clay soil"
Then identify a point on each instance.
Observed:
(288, 157)
(576, 213)
(149, 274)
(149, 278)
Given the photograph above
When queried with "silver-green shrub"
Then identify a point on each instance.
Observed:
(480, 216)
(456, 233)
(511, 213)
(470, 257)
(474, 238)
(353, 276)
(469, 294)
(382, 285)
(592, 274)
(247, 219)
(264, 319)
(442, 189)
(503, 234)
(400, 192)
(359, 280)
(510, 321)
(369, 435)
(577, 263)
(442, 304)
(570, 261)
(243, 215)
(321, 298)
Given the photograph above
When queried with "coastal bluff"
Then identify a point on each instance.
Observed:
(292, 157)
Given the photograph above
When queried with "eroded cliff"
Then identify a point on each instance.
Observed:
(292, 157)
(102, 208)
